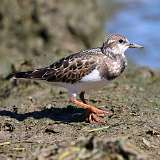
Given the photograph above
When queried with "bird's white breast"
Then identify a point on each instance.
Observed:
(92, 77)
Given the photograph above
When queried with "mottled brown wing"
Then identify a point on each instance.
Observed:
(70, 69)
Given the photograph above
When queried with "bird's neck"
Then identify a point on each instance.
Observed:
(114, 54)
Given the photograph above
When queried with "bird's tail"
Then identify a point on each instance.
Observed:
(35, 74)
(23, 74)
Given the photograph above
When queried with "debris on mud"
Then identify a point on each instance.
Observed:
(91, 149)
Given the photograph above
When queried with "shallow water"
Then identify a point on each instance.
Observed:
(139, 20)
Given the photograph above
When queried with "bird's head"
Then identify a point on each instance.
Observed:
(118, 44)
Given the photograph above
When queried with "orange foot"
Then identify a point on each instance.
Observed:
(94, 115)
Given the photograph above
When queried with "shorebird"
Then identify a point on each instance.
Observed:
(86, 70)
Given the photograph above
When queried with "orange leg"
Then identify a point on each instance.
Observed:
(93, 114)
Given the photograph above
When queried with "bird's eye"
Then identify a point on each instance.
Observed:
(121, 41)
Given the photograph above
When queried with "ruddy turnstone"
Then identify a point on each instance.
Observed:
(85, 70)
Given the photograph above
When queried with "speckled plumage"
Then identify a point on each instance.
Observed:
(73, 68)
(85, 68)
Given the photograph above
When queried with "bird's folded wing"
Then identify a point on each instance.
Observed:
(70, 70)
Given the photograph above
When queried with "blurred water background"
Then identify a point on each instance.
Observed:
(139, 20)
(37, 33)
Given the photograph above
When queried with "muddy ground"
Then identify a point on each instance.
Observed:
(42, 117)
(36, 119)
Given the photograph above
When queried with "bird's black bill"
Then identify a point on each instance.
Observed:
(134, 45)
